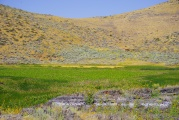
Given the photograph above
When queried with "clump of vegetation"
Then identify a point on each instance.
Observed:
(89, 99)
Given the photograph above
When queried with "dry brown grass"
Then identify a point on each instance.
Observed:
(34, 36)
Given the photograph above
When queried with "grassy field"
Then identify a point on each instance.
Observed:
(28, 85)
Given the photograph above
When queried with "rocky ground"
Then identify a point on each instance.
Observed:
(91, 106)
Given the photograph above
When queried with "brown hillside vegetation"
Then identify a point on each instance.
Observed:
(150, 34)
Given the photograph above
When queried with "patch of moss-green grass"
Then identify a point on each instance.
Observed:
(164, 79)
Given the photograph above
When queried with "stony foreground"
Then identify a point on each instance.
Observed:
(105, 105)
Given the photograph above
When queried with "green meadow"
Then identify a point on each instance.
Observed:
(28, 85)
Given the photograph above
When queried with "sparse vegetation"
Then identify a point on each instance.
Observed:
(30, 38)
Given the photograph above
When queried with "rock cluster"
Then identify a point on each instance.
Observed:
(68, 107)
(141, 97)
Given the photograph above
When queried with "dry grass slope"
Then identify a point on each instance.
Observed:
(149, 34)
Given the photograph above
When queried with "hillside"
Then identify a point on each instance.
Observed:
(150, 34)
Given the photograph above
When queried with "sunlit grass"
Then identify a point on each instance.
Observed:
(28, 85)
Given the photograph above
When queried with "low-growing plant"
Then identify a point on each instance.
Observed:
(174, 109)
(89, 99)
(155, 93)
(155, 86)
